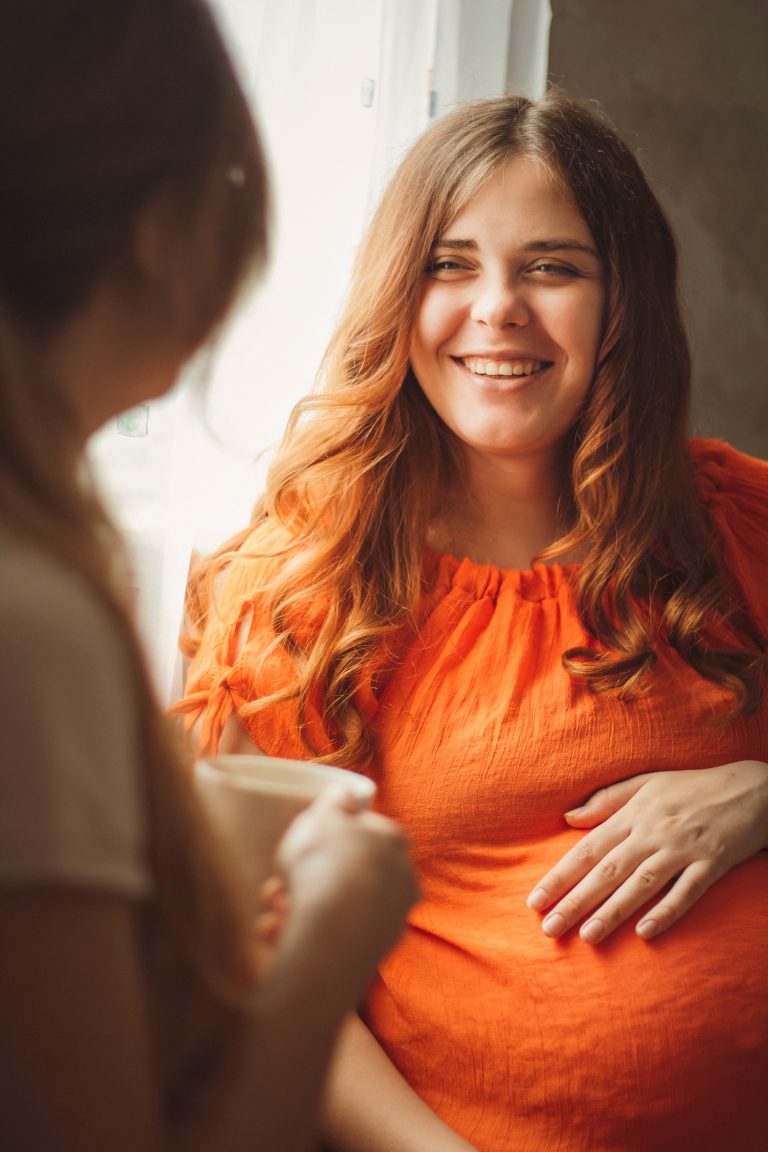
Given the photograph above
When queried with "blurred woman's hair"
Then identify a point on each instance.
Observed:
(108, 107)
(366, 460)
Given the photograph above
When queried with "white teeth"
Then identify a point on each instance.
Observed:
(503, 367)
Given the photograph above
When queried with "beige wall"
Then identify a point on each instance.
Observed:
(686, 82)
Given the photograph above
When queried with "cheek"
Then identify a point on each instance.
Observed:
(581, 332)
(435, 322)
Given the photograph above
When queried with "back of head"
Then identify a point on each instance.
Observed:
(108, 107)
(103, 105)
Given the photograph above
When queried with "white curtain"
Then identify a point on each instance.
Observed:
(340, 88)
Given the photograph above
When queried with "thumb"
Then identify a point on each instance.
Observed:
(340, 796)
(604, 803)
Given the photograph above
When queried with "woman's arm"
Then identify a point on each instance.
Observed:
(369, 1107)
(646, 831)
(78, 1061)
(233, 740)
(267, 1090)
(77, 1067)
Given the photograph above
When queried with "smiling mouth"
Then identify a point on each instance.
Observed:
(479, 366)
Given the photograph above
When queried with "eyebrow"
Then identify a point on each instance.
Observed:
(554, 245)
(558, 245)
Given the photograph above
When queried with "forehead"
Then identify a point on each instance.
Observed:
(522, 198)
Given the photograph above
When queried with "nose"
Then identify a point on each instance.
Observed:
(500, 302)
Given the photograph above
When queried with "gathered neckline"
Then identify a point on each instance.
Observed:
(538, 582)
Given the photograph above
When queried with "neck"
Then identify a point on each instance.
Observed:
(506, 512)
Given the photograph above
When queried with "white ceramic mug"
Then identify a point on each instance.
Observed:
(251, 800)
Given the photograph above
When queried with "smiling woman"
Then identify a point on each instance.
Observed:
(491, 570)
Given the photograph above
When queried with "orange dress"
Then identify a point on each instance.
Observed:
(522, 1043)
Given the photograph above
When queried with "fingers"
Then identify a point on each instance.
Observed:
(625, 882)
(275, 909)
(604, 803)
(687, 889)
(585, 857)
(274, 895)
(643, 883)
(269, 925)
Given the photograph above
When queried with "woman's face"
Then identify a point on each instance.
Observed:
(511, 314)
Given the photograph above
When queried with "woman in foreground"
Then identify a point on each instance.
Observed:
(491, 569)
(132, 207)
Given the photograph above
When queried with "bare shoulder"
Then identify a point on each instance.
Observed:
(234, 740)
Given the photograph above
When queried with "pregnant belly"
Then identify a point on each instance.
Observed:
(523, 1043)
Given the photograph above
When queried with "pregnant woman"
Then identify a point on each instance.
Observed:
(491, 569)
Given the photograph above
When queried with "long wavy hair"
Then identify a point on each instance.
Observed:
(338, 538)
(105, 105)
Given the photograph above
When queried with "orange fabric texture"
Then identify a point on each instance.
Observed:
(483, 741)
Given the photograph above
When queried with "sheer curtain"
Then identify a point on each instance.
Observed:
(340, 89)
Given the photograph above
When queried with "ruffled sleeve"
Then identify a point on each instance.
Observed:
(230, 673)
(207, 700)
(734, 488)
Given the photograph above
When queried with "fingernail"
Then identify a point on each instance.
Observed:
(647, 929)
(574, 811)
(538, 899)
(554, 925)
(592, 931)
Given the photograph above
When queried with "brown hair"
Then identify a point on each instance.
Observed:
(358, 477)
(104, 105)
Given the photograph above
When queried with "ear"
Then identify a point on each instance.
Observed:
(164, 254)
(150, 238)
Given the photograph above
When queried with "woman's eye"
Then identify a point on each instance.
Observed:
(443, 266)
(548, 269)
